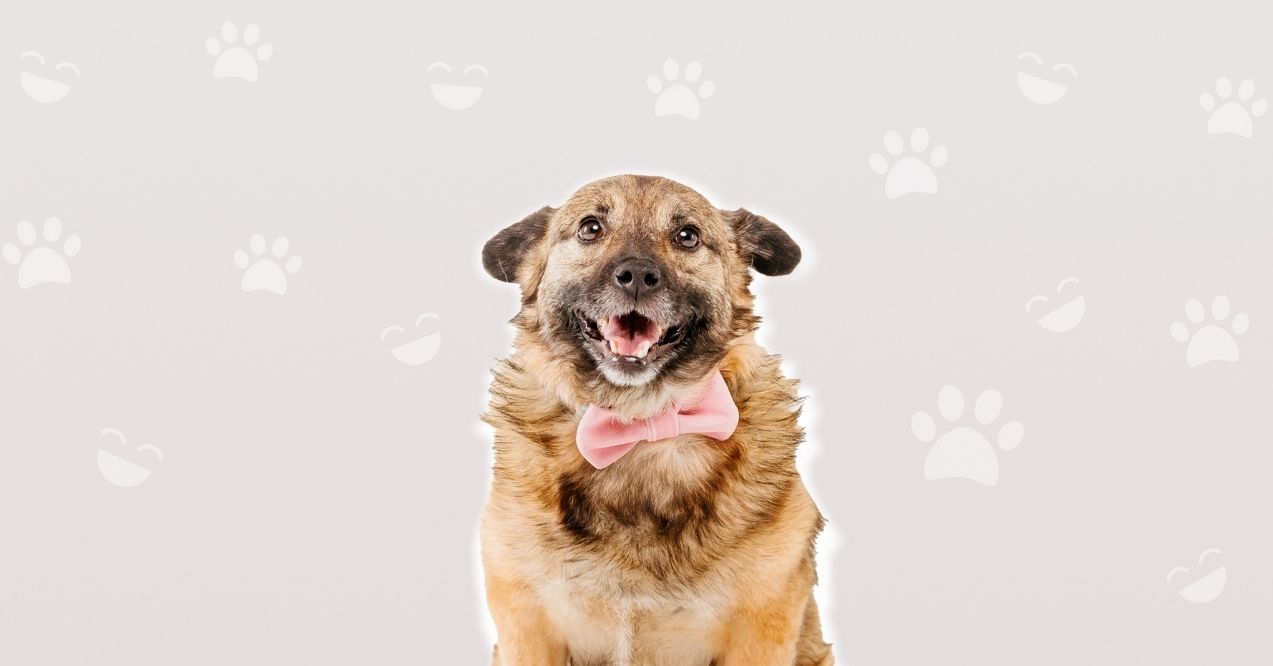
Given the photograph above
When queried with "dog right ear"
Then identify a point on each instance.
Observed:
(503, 254)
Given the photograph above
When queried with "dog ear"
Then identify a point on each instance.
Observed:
(503, 254)
(766, 246)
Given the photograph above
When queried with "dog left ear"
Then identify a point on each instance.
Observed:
(769, 249)
(503, 254)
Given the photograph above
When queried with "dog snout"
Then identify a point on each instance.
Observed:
(638, 277)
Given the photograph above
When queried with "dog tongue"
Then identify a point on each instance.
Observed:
(630, 335)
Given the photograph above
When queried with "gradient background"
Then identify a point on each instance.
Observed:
(318, 500)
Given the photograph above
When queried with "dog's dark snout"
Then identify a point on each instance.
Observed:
(637, 277)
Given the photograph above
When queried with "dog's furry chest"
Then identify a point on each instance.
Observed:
(604, 625)
(648, 560)
(658, 512)
(631, 574)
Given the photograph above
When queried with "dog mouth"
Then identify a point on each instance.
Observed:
(631, 340)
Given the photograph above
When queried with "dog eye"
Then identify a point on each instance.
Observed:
(590, 229)
(687, 237)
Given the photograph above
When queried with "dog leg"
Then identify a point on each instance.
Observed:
(778, 626)
(765, 633)
(526, 637)
(811, 650)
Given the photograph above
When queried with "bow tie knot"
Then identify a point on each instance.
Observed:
(602, 439)
(664, 426)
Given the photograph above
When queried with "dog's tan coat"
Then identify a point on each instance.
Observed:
(686, 552)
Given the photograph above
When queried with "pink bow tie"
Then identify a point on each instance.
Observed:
(602, 439)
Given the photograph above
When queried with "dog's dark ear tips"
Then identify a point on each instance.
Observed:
(772, 251)
(503, 253)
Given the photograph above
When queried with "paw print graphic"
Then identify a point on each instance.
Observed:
(1205, 588)
(41, 264)
(1210, 342)
(678, 99)
(912, 173)
(964, 452)
(235, 61)
(1232, 116)
(264, 273)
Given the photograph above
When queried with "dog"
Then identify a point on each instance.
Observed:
(645, 506)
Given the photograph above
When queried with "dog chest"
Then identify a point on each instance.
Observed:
(604, 625)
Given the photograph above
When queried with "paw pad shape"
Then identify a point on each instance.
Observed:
(266, 273)
(40, 264)
(678, 99)
(964, 452)
(235, 60)
(912, 173)
(1210, 342)
(1232, 116)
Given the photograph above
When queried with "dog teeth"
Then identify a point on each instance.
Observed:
(643, 349)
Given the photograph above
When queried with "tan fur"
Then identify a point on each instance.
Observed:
(686, 552)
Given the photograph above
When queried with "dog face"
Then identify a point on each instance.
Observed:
(638, 280)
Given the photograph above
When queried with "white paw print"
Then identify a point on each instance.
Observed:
(262, 273)
(911, 173)
(963, 452)
(236, 62)
(1211, 342)
(1232, 116)
(677, 99)
(38, 265)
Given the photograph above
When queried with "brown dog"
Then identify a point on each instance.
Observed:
(688, 551)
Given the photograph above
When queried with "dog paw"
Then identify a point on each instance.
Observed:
(824, 659)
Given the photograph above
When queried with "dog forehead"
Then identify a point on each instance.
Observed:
(637, 201)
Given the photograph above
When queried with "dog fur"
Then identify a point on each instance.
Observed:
(685, 552)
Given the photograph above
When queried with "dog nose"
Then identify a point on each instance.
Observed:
(637, 276)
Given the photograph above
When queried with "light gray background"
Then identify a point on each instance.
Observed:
(318, 500)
